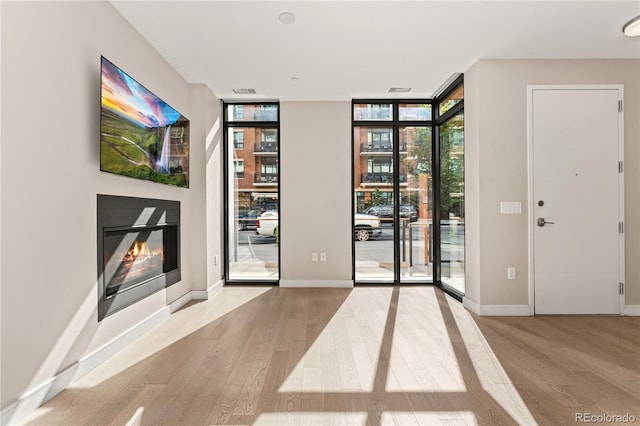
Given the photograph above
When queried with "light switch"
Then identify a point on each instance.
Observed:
(510, 207)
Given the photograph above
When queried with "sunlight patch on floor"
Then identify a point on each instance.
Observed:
(311, 419)
(422, 358)
(179, 325)
(35, 414)
(349, 345)
(492, 377)
(431, 418)
(136, 419)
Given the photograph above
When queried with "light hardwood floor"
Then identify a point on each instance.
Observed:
(565, 365)
(369, 355)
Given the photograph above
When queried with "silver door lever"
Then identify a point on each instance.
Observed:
(542, 222)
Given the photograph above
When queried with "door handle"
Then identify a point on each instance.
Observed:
(542, 222)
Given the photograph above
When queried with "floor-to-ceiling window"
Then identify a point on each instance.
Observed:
(416, 203)
(373, 148)
(252, 196)
(408, 183)
(451, 147)
(392, 161)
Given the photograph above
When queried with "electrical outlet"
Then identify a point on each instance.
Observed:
(511, 273)
(323, 257)
(314, 257)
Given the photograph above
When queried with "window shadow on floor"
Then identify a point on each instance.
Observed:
(231, 371)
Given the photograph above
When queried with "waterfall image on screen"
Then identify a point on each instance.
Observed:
(141, 136)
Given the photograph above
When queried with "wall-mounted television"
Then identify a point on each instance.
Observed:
(141, 136)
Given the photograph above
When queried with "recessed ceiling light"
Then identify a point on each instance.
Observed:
(244, 91)
(632, 28)
(399, 89)
(287, 18)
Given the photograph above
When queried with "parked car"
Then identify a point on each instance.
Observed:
(384, 213)
(366, 226)
(247, 220)
(409, 212)
(267, 223)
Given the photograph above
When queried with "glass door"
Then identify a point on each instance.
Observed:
(408, 182)
(452, 202)
(416, 204)
(392, 161)
(373, 167)
(252, 192)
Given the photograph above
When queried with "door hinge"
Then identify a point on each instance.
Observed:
(620, 167)
(620, 105)
(620, 227)
(621, 288)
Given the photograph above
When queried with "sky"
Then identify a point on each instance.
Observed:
(128, 98)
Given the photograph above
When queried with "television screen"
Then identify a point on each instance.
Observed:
(140, 135)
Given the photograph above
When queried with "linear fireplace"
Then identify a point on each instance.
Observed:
(138, 249)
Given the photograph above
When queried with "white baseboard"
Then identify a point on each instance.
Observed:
(180, 301)
(632, 310)
(208, 293)
(522, 310)
(316, 283)
(496, 310)
(470, 305)
(196, 295)
(215, 289)
(33, 399)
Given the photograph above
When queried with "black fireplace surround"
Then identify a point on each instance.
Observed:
(138, 249)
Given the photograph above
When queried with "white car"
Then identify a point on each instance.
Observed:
(366, 226)
(267, 223)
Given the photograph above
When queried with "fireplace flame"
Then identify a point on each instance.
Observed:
(140, 252)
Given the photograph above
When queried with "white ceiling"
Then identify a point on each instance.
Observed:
(341, 50)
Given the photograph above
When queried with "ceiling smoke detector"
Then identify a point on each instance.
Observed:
(287, 18)
(244, 91)
(399, 89)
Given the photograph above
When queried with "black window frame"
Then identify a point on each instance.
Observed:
(230, 123)
(441, 120)
(435, 123)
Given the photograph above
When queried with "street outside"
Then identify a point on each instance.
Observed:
(256, 256)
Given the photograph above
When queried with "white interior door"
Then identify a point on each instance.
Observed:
(576, 144)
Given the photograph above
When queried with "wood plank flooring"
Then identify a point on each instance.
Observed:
(363, 356)
(565, 365)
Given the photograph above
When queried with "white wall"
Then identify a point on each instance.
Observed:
(472, 184)
(50, 177)
(496, 146)
(315, 192)
(206, 219)
(214, 194)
